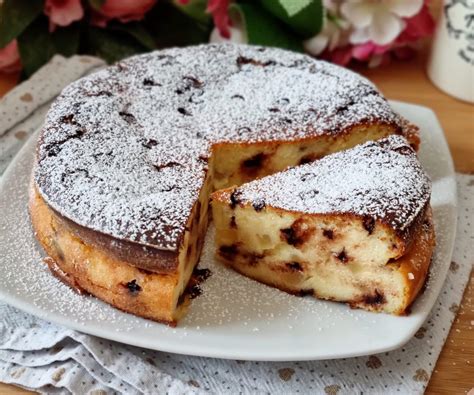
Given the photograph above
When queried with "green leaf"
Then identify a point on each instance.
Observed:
(195, 9)
(96, 4)
(172, 27)
(137, 31)
(305, 17)
(15, 16)
(35, 45)
(66, 40)
(263, 29)
(110, 45)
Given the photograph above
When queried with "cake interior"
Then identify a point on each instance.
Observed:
(337, 258)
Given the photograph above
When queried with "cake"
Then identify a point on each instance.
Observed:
(128, 157)
(354, 226)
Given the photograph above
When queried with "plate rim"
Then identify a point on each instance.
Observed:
(118, 336)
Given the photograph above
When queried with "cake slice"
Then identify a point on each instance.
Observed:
(353, 227)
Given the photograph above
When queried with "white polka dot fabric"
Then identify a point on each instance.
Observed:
(38, 355)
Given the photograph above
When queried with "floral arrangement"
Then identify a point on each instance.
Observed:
(371, 31)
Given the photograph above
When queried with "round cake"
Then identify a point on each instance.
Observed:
(128, 157)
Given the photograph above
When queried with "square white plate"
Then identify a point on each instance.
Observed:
(235, 317)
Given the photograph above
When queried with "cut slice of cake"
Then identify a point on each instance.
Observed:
(353, 227)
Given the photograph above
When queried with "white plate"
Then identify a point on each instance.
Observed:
(235, 317)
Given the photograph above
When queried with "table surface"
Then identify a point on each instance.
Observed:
(407, 81)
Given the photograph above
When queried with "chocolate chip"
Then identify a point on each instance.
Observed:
(253, 164)
(377, 298)
(183, 111)
(168, 164)
(228, 252)
(127, 117)
(258, 205)
(133, 287)
(306, 292)
(202, 274)
(342, 256)
(307, 176)
(194, 292)
(69, 119)
(234, 198)
(328, 233)
(243, 130)
(298, 233)
(150, 82)
(242, 60)
(192, 81)
(283, 101)
(404, 150)
(306, 159)
(274, 109)
(311, 194)
(369, 224)
(294, 266)
(150, 143)
(99, 93)
(289, 235)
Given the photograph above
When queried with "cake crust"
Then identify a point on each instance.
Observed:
(88, 269)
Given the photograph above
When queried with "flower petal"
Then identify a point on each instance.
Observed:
(317, 44)
(10, 58)
(63, 13)
(237, 36)
(360, 14)
(404, 8)
(385, 27)
(341, 56)
(126, 10)
(360, 36)
(418, 26)
(363, 51)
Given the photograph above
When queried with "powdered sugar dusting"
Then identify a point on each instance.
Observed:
(124, 151)
(381, 179)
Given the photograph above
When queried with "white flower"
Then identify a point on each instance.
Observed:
(334, 32)
(237, 36)
(379, 21)
(331, 36)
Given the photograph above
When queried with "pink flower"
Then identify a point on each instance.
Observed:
(123, 10)
(218, 9)
(378, 21)
(341, 56)
(63, 12)
(418, 26)
(10, 58)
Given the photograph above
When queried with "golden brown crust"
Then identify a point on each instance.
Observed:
(88, 268)
(143, 257)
